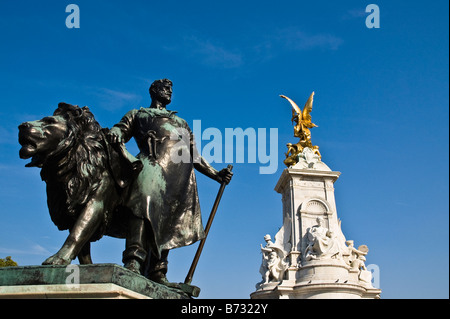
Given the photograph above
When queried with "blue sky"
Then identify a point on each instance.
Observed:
(381, 104)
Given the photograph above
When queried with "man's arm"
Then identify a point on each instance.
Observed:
(205, 168)
(202, 165)
(123, 131)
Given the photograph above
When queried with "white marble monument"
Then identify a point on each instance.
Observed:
(311, 258)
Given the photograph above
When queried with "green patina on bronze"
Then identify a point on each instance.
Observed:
(89, 274)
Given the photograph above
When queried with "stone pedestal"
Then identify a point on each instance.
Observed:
(313, 259)
(102, 281)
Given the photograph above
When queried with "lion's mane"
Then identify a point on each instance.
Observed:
(74, 172)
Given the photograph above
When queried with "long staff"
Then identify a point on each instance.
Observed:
(190, 274)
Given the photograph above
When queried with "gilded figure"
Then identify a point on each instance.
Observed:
(302, 126)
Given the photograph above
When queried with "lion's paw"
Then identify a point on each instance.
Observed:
(56, 260)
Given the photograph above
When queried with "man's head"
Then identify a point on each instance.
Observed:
(161, 90)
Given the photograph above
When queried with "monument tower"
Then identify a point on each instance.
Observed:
(310, 257)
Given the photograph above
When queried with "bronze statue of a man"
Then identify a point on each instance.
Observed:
(163, 198)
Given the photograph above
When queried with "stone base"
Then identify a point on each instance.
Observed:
(102, 281)
(322, 289)
(319, 290)
(85, 291)
(319, 279)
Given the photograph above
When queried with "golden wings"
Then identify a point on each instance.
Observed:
(302, 118)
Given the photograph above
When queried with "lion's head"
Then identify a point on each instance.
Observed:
(47, 138)
(39, 139)
(69, 148)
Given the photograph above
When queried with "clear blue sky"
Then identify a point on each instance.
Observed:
(381, 103)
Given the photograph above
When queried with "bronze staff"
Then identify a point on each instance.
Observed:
(190, 274)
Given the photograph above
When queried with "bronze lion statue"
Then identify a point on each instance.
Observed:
(86, 177)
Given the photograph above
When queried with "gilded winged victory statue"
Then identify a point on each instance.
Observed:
(302, 119)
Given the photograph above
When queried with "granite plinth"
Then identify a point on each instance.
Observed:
(81, 281)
